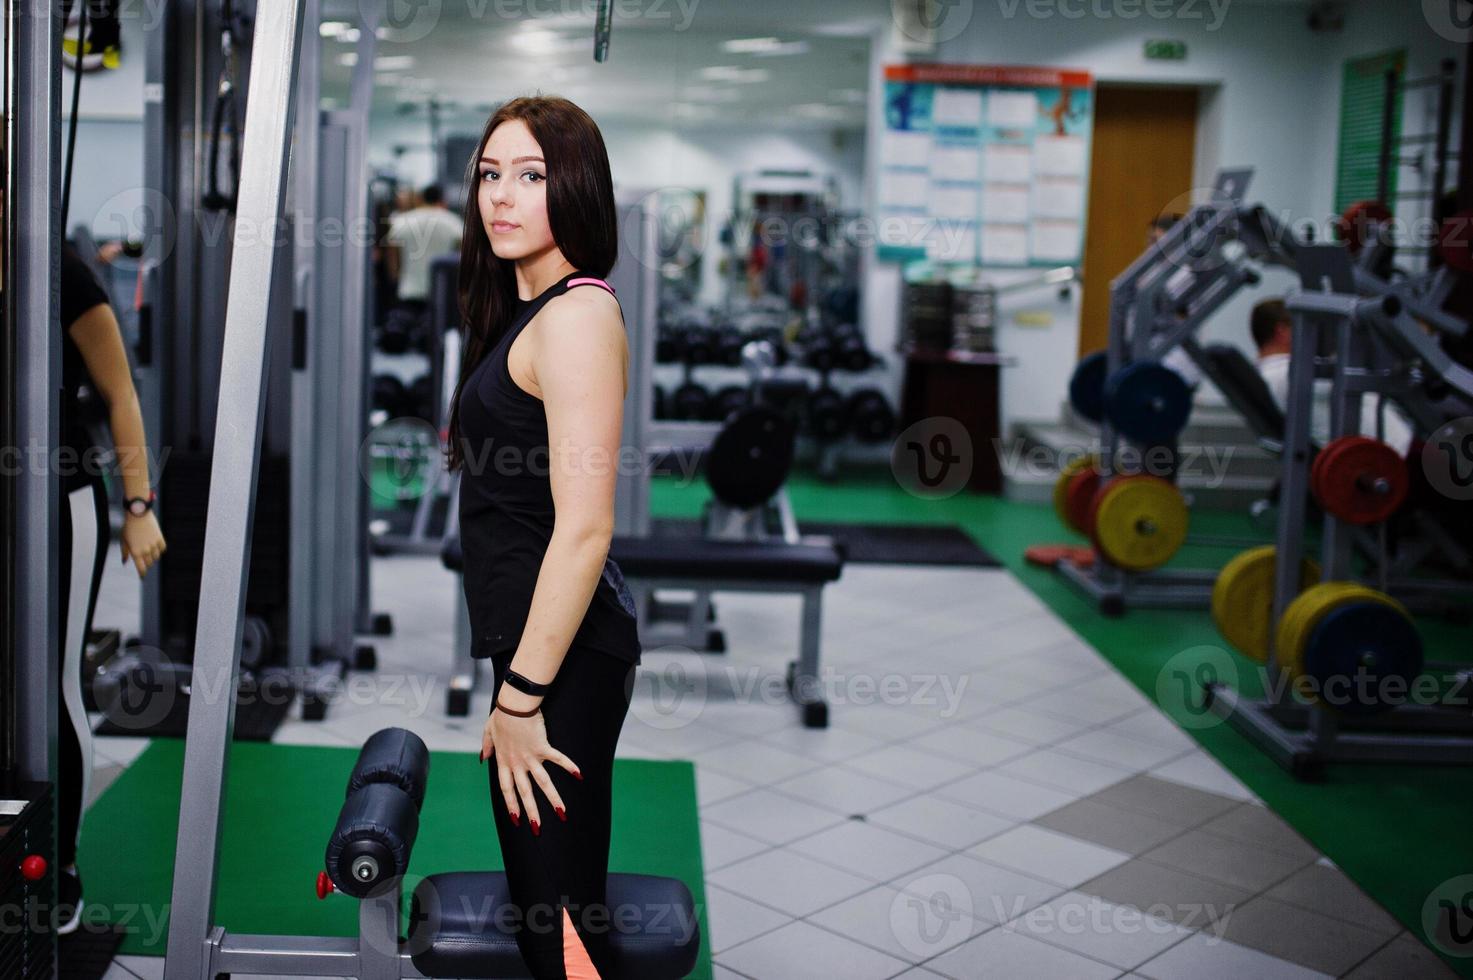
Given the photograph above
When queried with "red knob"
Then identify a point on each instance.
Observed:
(33, 867)
(324, 885)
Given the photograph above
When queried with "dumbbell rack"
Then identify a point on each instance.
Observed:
(1299, 736)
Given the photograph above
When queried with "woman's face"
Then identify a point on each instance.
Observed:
(512, 189)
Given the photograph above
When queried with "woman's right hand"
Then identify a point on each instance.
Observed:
(521, 750)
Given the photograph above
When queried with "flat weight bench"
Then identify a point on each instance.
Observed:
(714, 565)
(458, 920)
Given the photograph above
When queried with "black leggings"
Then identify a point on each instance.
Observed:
(85, 536)
(567, 865)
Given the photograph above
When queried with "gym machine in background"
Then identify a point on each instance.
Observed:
(1346, 679)
(308, 593)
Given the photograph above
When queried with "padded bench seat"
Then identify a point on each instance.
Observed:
(814, 560)
(457, 920)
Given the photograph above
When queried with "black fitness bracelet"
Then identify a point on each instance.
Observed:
(520, 683)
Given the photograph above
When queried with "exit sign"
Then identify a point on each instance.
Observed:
(1166, 50)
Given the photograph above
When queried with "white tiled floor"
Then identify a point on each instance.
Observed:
(900, 835)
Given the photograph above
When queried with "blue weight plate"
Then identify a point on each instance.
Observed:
(1148, 402)
(1363, 657)
(1087, 387)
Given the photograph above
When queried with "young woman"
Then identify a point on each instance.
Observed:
(534, 428)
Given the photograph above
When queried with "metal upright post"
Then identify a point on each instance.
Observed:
(33, 185)
(237, 451)
(306, 454)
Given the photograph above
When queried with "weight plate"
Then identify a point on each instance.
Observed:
(750, 457)
(1087, 386)
(1139, 522)
(1301, 615)
(1148, 402)
(1362, 655)
(1243, 599)
(1359, 480)
(1061, 485)
(1079, 498)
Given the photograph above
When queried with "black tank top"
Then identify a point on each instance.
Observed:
(506, 508)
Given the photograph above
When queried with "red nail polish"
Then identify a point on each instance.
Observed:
(516, 821)
(536, 829)
(561, 814)
(577, 775)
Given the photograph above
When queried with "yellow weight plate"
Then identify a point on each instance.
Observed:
(1061, 485)
(1140, 523)
(1243, 599)
(1305, 612)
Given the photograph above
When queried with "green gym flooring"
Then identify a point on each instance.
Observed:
(1398, 831)
(282, 803)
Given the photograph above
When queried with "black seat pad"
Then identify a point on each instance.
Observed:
(457, 924)
(812, 560)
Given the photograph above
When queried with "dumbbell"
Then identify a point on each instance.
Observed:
(699, 346)
(421, 403)
(871, 419)
(851, 352)
(667, 346)
(729, 342)
(819, 352)
(393, 336)
(389, 394)
(732, 398)
(827, 415)
(690, 403)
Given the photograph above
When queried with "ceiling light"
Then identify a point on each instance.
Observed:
(332, 28)
(393, 62)
(730, 73)
(750, 45)
(348, 59)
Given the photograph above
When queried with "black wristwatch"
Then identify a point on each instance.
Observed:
(138, 506)
(520, 683)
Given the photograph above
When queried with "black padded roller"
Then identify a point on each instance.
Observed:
(395, 756)
(371, 844)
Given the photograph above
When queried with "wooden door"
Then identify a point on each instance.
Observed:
(1141, 162)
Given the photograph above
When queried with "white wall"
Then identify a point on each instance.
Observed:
(1271, 101)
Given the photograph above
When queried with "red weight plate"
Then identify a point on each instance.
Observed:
(1083, 487)
(1361, 480)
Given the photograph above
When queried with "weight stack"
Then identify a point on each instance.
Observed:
(24, 951)
(928, 315)
(974, 314)
(184, 495)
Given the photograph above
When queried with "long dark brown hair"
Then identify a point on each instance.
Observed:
(580, 213)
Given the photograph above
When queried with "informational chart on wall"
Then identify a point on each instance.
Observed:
(984, 164)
